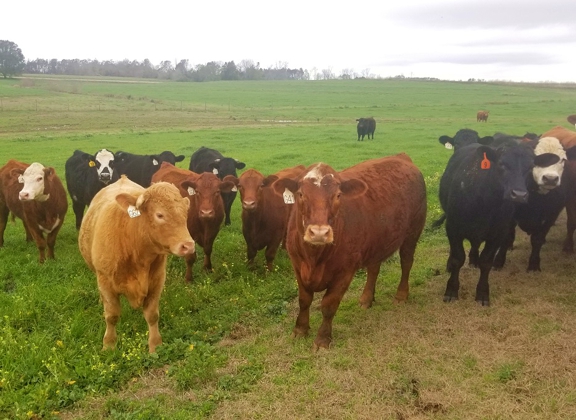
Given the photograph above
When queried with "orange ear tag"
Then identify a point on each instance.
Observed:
(485, 164)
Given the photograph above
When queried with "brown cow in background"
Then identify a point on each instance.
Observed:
(572, 119)
(344, 221)
(36, 195)
(482, 116)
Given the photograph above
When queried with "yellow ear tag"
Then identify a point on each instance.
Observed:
(485, 164)
(91, 164)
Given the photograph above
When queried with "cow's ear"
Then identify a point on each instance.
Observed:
(486, 140)
(283, 184)
(269, 180)
(231, 178)
(16, 173)
(353, 188)
(227, 186)
(571, 153)
(240, 165)
(125, 201)
(488, 153)
(189, 186)
(445, 139)
(180, 158)
(215, 164)
(48, 172)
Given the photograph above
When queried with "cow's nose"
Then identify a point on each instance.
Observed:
(519, 196)
(186, 248)
(550, 179)
(24, 195)
(249, 204)
(206, 213)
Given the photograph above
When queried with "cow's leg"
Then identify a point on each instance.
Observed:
(406, 252)
(51, 240)
(38, 237)
(329, 305)
(78, 212)
(367, 297)
(228, 200)
(303, 319)
(570, 222)
(455, 262)
(270, 253)
(208, 254)
(251, 252)
(29, 237)
(474, 253)
(190, 260)
(4, 212)
(500, 258)
(485, 263)
(111, 302)
(151, 311)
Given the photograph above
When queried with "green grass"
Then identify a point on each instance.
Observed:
(226, 336)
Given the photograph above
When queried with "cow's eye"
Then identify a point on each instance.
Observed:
(160, 216)
(39, 179)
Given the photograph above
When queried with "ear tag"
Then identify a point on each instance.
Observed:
(448, 146)
(154, 162)
(234, 189)
(133, 212)
(288, 196)
(21, 179)
(91, 163)
(191, 191)
(215, 171)
(485, 164)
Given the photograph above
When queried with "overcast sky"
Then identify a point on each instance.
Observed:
(518, 40)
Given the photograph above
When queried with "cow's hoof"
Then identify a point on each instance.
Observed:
(322, 343)
(449, 299)
(299, 333)
(483, 302)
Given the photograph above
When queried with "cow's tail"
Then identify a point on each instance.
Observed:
(439, 222)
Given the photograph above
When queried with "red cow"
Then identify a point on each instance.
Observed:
(264, 213)
(343, 221)
(206, 207)
(36, 195)
(482, 116)
(572, 119)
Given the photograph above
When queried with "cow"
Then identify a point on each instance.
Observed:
(86, 175)
(264, 213)
(210, 160)
(206, 211)
(366, 127)
(125, 238)
(572, 119)
(462, 138)
(478, 192)
(502, 138)
(140, 168)
(482, 116)
(36, 195)
(568, 140)
(546, 199)
(343, 221)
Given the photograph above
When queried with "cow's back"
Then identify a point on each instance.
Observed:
(567, 137)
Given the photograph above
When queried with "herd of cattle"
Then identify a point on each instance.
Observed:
(332, 223)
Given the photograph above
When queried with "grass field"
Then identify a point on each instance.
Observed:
(227, 350)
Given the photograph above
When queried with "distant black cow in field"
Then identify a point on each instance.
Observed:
(366, 127)
(140, 168)
(210, 160)
(478, 192)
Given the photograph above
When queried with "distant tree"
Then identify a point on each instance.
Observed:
(327, 74)
(229, 71)
(11, 59)
(347, 74)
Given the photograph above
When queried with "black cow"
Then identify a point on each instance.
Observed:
(140, 168)
(529, 138)
(366, 127)
(462, 138)
(210, 160)
(478, 192)
(86, 175)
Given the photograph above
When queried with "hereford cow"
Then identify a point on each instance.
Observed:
(264, 213)
(546, 199)
(210, 160)
(568, 140)
(572, 119)
(125, 238)
(462, 138)
(36, 195)
(206, 211)
(482, 116)
(343, 221)
(366, 127)
(478, 192)
(85, 176)
(140, 168)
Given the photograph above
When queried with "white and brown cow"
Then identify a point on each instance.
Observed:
(125, 238)
(36, 195)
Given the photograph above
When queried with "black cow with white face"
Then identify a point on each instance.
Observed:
(478, 193)
(140, 168)
(86, 175)
(462, 138)
(211, 160)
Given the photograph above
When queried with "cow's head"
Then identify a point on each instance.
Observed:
(206, 191)
(225, 166)
(549, 161)
(250, 185)
(33, 179)
(318, 195)
(103, 161)
(163, 212)
(167, 156)
(463, 138)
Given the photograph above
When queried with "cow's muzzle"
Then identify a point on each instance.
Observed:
(319, 234)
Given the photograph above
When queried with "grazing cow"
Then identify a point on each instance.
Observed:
(462, 138)
(125, 238)
(572, 119)
(206, 207)
(210, 160)
(264, 213)
(366, 127)
(546, 199)
(478, 192)
(85, 176)
(36, 195)
(568, 140)
(140, 168)
(343, 221)
(482, 116)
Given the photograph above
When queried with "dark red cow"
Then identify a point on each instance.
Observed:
(482, 116)
(264, 213)
(343, 221)
(206, 211)
(36, 195)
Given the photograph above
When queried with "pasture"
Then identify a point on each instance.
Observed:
(227, 349)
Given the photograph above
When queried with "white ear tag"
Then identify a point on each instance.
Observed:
(191, 191)
(133, 212)
(215, 171)
(448, 146)
(155, 162)
(234, 189)
(288, 196)
(21, 179)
